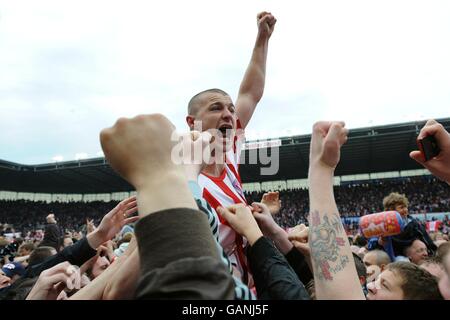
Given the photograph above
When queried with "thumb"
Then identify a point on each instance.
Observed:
(335, 131)
(264, 19)
(300, 245)
(418, 156)
(293, 237)
(258, 216)
(301, 235)
(257, 207)
(223, 212)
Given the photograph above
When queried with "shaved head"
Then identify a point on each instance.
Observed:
(196, 101)
(378, 257)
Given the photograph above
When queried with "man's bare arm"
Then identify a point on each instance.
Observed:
(335, 275)
(252, 85)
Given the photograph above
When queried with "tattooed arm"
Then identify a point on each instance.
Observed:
(335, 274)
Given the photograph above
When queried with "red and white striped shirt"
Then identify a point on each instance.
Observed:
(224, 191)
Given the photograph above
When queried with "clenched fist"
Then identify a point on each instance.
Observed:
(326, 142)
(266, 24)
(139, 149)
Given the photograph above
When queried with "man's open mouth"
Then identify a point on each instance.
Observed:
(226, 130)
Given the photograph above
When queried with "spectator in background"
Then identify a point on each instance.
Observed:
(361, 243)
(123, 243)
(412, 231)
(52, 234)
(23, 253)
(97, 265)
(434, 225)
(25, 249)
(417, 252)
(397, 202)
(39, 255)
(375, 262)
(13, 271)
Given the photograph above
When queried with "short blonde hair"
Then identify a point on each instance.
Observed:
(394, 199)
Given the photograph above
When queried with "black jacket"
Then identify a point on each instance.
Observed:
(179, 258)
(413, 230)
(52, 236)
(274, 278)
(298, 262)
(76, 254)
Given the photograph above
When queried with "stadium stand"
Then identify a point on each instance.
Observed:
(368, 150)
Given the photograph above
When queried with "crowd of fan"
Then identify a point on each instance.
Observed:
(101, 239)
(28, 216)
(425, 193)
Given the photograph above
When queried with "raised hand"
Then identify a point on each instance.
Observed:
(439, 165)
(264, 218)
(51, 218)
(266, 24)
(272, 201)
(139, 149)
(242, 221)
(90, 226)
(113, 222)
(326, 142)
(270, 228)
(299, 238)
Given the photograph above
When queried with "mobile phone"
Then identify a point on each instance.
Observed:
(429, 148)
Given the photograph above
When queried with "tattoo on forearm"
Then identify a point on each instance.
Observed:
(325, 238)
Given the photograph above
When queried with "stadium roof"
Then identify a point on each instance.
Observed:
(368, 150)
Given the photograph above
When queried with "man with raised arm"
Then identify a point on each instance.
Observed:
(214, 110)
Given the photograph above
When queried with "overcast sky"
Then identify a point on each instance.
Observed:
(69, 69)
